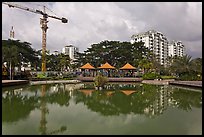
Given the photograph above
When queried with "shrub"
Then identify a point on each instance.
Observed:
(151, 76)
(190, 77)
(100, 81)
(41, 75)
(168, 77)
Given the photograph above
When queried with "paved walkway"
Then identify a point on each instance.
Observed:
(187, 83)
(54, 81)
(14, 82)
(162, 82)
(111, 79)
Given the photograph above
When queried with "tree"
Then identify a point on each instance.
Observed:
(64, 61)
(197, 65)
(186, 67)
(114, 52)
(145, 64)
(14, 52)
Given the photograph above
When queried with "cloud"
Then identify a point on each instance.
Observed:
(92, 22)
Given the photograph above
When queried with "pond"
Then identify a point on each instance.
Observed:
(123, 108)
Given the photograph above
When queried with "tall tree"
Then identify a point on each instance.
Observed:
(115, 52)
(14, 52)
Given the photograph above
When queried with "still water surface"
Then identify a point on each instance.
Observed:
(120, 109)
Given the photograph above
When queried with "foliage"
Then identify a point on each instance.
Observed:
(186, 68)
(186, 77)
(114, 52)
(41, 75)
(15, 52)
(151, 75)
(64, 61)
(168, 77)
(100, 81)
(145, 64)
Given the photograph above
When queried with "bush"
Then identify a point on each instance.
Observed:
(41, 75)
(168, 77)
(189, 77)
(151, 76)
(100, 81)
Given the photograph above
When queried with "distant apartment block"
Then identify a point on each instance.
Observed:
(159, 44)
(155, 41)
(71, 51)
(176, 48)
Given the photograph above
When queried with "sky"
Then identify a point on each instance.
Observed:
(92, 22)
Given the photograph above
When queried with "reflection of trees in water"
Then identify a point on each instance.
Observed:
(185, 99)
(17, 105)
(150, 100)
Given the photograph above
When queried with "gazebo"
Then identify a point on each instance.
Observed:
(87, 70)
(129, 69)
(107, 67)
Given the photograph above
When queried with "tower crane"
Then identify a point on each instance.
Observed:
(43, 22)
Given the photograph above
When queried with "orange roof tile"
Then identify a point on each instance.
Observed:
(128, 66)
(106, 66)
(87, 66)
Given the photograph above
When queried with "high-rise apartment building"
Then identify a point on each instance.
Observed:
(159, 44)
(155, 41)
(71, 51)
(176, 48)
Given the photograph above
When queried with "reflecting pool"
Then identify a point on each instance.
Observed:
(129, 108)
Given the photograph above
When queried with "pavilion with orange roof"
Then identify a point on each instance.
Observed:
(87, 66)
(106, 69)
(128, 70)
(87, 70)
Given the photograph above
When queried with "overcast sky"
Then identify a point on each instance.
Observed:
(93, 22)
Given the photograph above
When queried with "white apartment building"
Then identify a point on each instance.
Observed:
(71, 51)
(155, 41)
(176, 48)
(159, 44)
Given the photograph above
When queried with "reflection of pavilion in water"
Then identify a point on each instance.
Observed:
(151, 102)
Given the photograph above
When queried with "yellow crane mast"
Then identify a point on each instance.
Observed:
(43, 22)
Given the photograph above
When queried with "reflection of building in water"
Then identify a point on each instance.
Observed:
(162, 101)
(66, 87)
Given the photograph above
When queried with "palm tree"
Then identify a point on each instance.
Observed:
(145, 64)
(197, 65)
(181, 65)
